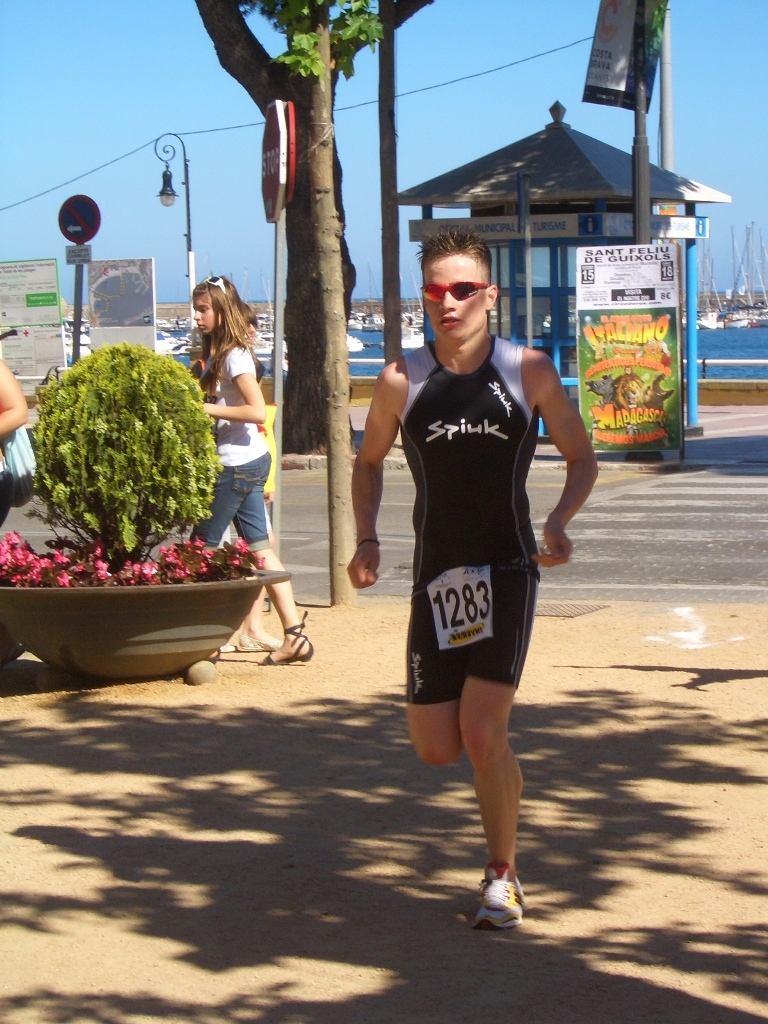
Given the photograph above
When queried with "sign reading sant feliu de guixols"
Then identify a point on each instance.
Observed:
(628, 308)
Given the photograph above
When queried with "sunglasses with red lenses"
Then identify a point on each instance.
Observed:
(460, 290)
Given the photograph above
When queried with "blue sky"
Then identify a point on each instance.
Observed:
(84, 82)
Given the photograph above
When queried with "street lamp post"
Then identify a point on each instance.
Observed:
(168, 197)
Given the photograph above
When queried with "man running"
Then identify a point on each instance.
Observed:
(468, 406)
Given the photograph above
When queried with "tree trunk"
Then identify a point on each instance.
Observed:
(328, 232)
(305, 421)
(390, 226)
(243, 57)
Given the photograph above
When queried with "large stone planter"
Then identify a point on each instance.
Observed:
(129, 632)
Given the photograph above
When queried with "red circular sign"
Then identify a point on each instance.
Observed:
(79, 219)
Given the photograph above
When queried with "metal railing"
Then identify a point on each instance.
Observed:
(703, 363)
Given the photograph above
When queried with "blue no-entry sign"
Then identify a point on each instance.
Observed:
(79, 219)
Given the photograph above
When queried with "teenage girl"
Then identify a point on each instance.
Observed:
(235, 401)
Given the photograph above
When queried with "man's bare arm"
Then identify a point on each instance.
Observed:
(543, 388)
(381, 428)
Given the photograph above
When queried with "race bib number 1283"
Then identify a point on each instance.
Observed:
(462, 606)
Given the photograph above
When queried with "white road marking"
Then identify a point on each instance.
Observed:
(693, 638)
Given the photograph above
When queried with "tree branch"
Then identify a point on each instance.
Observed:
(241, 54)
(405, 9)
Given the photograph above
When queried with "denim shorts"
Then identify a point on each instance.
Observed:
(239, 497)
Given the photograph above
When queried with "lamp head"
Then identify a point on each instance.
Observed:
(166, 193)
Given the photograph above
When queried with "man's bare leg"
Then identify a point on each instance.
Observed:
(484, 721)
(435, 732)
(479, 722)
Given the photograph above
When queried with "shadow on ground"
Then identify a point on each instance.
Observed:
(316, 838)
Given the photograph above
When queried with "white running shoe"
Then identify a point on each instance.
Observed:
(503, 901)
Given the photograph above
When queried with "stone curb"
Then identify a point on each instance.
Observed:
(321, 462)
(398, 462)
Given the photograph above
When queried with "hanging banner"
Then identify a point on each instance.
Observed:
(628, 310)
(611, 72)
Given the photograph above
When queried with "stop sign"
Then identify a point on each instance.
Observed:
(278, 158)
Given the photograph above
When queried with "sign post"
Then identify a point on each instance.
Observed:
(278, 174)
(79, 220)
(524, 226)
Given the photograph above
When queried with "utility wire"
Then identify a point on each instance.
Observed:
(478, 74)
(85, 175)
(256, 124)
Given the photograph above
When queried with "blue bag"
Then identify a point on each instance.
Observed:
(20, 460)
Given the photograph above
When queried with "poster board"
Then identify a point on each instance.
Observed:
(628, 312)
(30, 319)
(121, 300)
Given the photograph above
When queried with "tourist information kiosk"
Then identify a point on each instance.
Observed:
(580, 194)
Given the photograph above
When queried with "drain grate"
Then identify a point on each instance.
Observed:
(566, 609)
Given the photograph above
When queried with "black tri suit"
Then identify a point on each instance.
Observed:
(469, 440)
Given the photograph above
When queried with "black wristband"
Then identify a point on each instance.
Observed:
(369, 540)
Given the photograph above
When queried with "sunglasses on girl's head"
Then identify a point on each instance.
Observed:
(216, 282)
(460, 290)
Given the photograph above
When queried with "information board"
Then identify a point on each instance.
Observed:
(628, 308)
(30, 320)
(29, 293)
(121, 295)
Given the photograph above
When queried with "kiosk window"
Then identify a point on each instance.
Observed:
(569, 366)
(503, 278)
(567, 266)
(506, 317)
(540, 266)
(542, 317)
(567, 316)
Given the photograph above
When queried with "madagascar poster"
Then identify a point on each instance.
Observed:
(627, 299)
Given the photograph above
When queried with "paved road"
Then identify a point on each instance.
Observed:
(684, 537)
(691, 536)
(687, 538)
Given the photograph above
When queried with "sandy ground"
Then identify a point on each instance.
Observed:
(269, 849)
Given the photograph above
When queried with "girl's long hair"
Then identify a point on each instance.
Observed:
(229, 332)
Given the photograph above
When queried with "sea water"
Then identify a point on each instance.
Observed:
(724, 343)
(735, 343)
(359, 362)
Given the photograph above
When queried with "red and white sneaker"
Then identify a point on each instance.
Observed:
(503, 901)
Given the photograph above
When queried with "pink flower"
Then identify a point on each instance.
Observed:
(72, 564)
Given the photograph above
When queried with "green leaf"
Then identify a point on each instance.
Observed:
(352, 22)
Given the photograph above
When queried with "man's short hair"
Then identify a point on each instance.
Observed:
(455, 241)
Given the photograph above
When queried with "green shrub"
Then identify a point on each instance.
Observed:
(124, 451)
